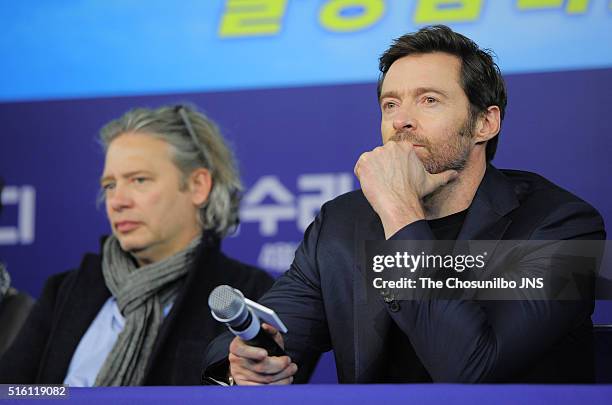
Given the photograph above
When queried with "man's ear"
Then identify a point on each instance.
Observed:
(488, 124)
(200, 184)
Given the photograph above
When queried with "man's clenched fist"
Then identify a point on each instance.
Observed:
(394, 181)
(252, 366)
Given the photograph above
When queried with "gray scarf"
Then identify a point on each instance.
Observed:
(141, 295)
(5, 281)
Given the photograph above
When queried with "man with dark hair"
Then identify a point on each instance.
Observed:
(480, 77)
(442, 102)
(137, 313)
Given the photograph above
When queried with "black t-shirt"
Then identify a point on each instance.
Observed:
(447, 228)
(401, 364)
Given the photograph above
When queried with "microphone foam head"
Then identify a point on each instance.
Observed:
(225, 302)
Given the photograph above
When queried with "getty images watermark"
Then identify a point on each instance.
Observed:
(458, 263)
(488, 270)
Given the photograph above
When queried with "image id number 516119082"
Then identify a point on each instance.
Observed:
(8, 391)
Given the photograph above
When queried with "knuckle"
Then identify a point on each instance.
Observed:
(235, 345)
(259, 368)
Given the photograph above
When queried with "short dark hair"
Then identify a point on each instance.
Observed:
(481, 78)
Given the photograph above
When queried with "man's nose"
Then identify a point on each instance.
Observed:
(404, 120)
(119, 198)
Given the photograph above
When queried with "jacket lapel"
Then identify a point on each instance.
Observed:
(486, 220)
(202, 278)
(371, 321)
(74, 318)
(494, 199)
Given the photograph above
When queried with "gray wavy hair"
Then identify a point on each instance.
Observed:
(196, 142)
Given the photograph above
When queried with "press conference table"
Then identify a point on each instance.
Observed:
(343, 395)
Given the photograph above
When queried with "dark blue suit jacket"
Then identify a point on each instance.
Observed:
(323, 301)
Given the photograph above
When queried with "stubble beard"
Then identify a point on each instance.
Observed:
(452, 155)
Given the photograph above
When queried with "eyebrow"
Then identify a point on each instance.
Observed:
(418, 91)
(125, 175)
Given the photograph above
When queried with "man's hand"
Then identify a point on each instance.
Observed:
(394, 182)
(252, 366)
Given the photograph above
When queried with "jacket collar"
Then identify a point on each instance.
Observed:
(494, 199)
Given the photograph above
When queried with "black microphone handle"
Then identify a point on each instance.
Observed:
(265, 341)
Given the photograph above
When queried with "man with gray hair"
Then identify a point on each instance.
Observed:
(137, 313)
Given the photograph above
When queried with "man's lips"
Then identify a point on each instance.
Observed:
(126, 226)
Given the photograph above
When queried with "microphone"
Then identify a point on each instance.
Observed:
(229, 306)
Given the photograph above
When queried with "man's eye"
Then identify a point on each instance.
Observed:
(140, 180)
(108, 186)
(389, 105)
(430, 100)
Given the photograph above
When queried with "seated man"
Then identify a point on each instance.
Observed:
(442, 101)
(137, 313)
(14, 305)
(14, 309)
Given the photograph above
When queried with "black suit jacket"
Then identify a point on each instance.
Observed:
(14, 309)
(323, 301)
(70, 301)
